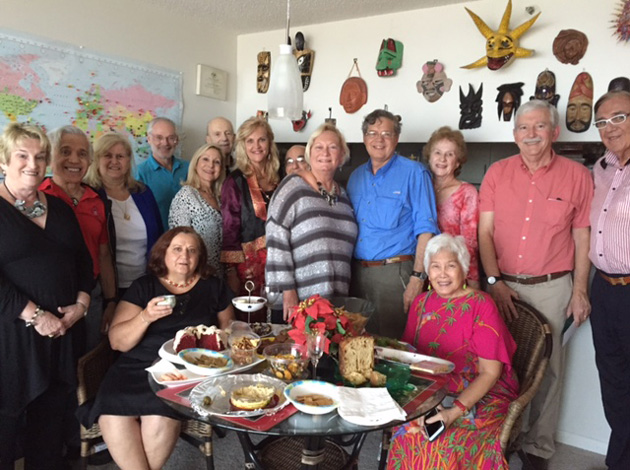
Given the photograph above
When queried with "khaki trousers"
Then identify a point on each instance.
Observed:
(383, 286)
(551, 299)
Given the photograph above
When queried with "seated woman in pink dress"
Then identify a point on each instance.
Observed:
(462, 325)
(457, 201)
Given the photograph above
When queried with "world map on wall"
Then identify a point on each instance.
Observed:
(53, 85)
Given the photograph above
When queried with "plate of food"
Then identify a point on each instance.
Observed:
(200, 336)
(392, 343)
(165, 373)
(205, 362)
(415, 361)
(242, 395)
(262, 329)
(313, 397)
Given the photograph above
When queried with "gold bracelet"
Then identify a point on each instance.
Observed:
(142, 317)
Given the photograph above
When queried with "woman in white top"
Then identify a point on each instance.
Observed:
(197, 204)
(135, 223)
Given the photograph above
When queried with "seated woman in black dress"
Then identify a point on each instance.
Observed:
(140, 430)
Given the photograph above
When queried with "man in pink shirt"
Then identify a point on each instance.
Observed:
(610, 254)
(533, 234)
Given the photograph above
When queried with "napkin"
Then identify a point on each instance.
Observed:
(368, 406)
(161, 366)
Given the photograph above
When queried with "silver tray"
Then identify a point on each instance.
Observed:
(219, 390)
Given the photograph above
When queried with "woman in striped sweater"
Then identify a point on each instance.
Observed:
(311, 228)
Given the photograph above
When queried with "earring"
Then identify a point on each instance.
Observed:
(429, 288)
(465, 285)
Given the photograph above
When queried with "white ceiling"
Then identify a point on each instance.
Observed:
(251, 16)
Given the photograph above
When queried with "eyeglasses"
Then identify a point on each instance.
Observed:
(383, 134)
(291, 161)
(616, 120)
(171, 139)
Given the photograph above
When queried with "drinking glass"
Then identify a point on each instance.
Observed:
(315, 347)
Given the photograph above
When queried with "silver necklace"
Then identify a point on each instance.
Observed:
(36, 210)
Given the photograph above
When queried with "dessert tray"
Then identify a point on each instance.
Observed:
(212, 396)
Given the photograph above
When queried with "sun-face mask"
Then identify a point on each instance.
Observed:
(501, 45)
(434, 82)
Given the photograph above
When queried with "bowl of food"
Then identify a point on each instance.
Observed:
(249, 303)
(287, 361)
(243, 347)
(313, 397)
(204, 361)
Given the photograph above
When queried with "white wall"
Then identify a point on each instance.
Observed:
(444, 33)
(125, 30)
(448, 34)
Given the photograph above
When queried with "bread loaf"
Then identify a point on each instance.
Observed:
(356, 359)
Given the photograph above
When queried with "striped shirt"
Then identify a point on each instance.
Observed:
(610, 216)
(309, 242)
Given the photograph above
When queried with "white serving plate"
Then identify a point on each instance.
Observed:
(219, 389)
(162, 367)
(309, 387)
(412, 359)
(201, 370)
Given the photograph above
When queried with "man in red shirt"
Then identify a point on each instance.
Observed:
(533, 234)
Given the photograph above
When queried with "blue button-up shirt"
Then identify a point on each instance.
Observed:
(163, 183)
(392, 208)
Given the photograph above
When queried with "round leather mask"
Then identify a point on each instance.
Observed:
(353, 94)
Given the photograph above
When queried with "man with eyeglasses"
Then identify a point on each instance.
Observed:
(162, 171)
(294, 161)
(221, 133)
(394, 206)
(610, 254)
(533, 244)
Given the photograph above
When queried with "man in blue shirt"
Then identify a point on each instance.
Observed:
(162, 171)
(394, 205)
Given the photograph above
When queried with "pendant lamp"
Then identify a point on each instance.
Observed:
(285, 96)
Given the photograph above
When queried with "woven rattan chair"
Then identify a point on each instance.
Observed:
(532, 334)
(91, 370)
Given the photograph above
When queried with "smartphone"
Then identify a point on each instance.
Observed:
(433, 430)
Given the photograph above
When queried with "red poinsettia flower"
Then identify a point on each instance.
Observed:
(318, 314)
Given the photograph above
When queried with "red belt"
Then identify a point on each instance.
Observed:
(534, 279)
(383, 262)
(616, 281)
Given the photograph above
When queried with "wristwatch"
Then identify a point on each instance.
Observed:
(420, 275)
(492, 280)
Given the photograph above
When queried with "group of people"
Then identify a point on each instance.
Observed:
(90, 242)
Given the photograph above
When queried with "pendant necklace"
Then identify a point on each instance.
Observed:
(36, 210)
(123, 209)
(330, 197)
(178, 285)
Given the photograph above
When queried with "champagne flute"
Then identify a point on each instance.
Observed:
(315, 346)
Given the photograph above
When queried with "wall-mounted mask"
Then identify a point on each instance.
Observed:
(546, 88)
(434, 82)
(470, 106)
(570, 46)
(389, 57)
(580, 107)
(509, 99)
(300, 123)
(502, 44)
(354, 92)
(262, 75)
(305, 59)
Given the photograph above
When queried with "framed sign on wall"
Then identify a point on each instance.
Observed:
(211, 82)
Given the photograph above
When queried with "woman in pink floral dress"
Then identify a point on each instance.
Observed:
(457, 201)
(462, 325)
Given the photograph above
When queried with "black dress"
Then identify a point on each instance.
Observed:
(125, 390)
(48, 266)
